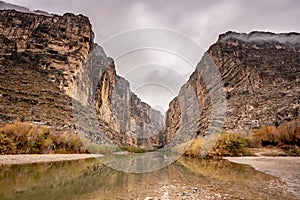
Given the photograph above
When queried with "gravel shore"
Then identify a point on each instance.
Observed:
(286, 168)
(41, 158)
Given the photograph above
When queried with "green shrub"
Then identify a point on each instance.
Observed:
(102, 148)
(295, 150)
(133, 149)
(231, 144)
(7, 146)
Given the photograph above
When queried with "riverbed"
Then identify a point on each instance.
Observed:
(286, 168)
(184, 179)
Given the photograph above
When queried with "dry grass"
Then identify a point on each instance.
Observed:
(285, 137)
(195, 148)
(23, 137)
(226, 144)
(285, 134)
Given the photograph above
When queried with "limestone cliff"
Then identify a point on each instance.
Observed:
(139, 124)
(57, 44)
(39, 58)
(260, 76)
(49, 64)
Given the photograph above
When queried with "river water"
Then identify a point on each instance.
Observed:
(184, 179)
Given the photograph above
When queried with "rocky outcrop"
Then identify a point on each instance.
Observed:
(125, 113)
(8, 6)
(103, 99)
(259, 75)
(39, 58)
(50, 66)
(57, 44)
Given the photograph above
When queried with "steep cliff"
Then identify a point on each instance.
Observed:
(259, 76)
(50, 66)
(39, 58)
(139, 124)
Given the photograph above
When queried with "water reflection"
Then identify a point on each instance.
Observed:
(89, 179)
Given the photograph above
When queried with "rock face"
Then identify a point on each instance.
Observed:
(8, 6)
(39, 58)
(125, 113)
(52, 72)
(260, 75)
(48, 64)
(56, 44)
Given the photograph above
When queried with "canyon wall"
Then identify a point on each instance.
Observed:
(258, 80)
(50, 66)
(39, 58)
(52, 73)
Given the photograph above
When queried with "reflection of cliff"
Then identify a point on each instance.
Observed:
(91, 180)
(44, 57)
(261, 76)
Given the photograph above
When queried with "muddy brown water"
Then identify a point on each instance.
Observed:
(184, 179)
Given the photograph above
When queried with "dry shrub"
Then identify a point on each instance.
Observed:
(227, 144)
(289, 133)
(23, 137)
(286, 136)
(195, 148)
(68, 143)
(7, 145)
(26, 137)
(267, 134)
(253, 141)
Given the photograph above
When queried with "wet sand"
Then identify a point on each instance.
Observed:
(286, 168)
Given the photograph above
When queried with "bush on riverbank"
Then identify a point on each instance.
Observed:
(285, 134)
(26, 138)
(286, 137)
(231, 144)
(102, 148)
(133, 149)
(226, 144)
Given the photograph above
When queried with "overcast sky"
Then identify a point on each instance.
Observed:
(202, 21)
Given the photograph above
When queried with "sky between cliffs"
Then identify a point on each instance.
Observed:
(202, 21)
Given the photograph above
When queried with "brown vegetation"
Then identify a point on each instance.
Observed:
(24, 137)
(286, 137)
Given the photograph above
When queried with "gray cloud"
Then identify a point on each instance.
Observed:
(202, 21)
